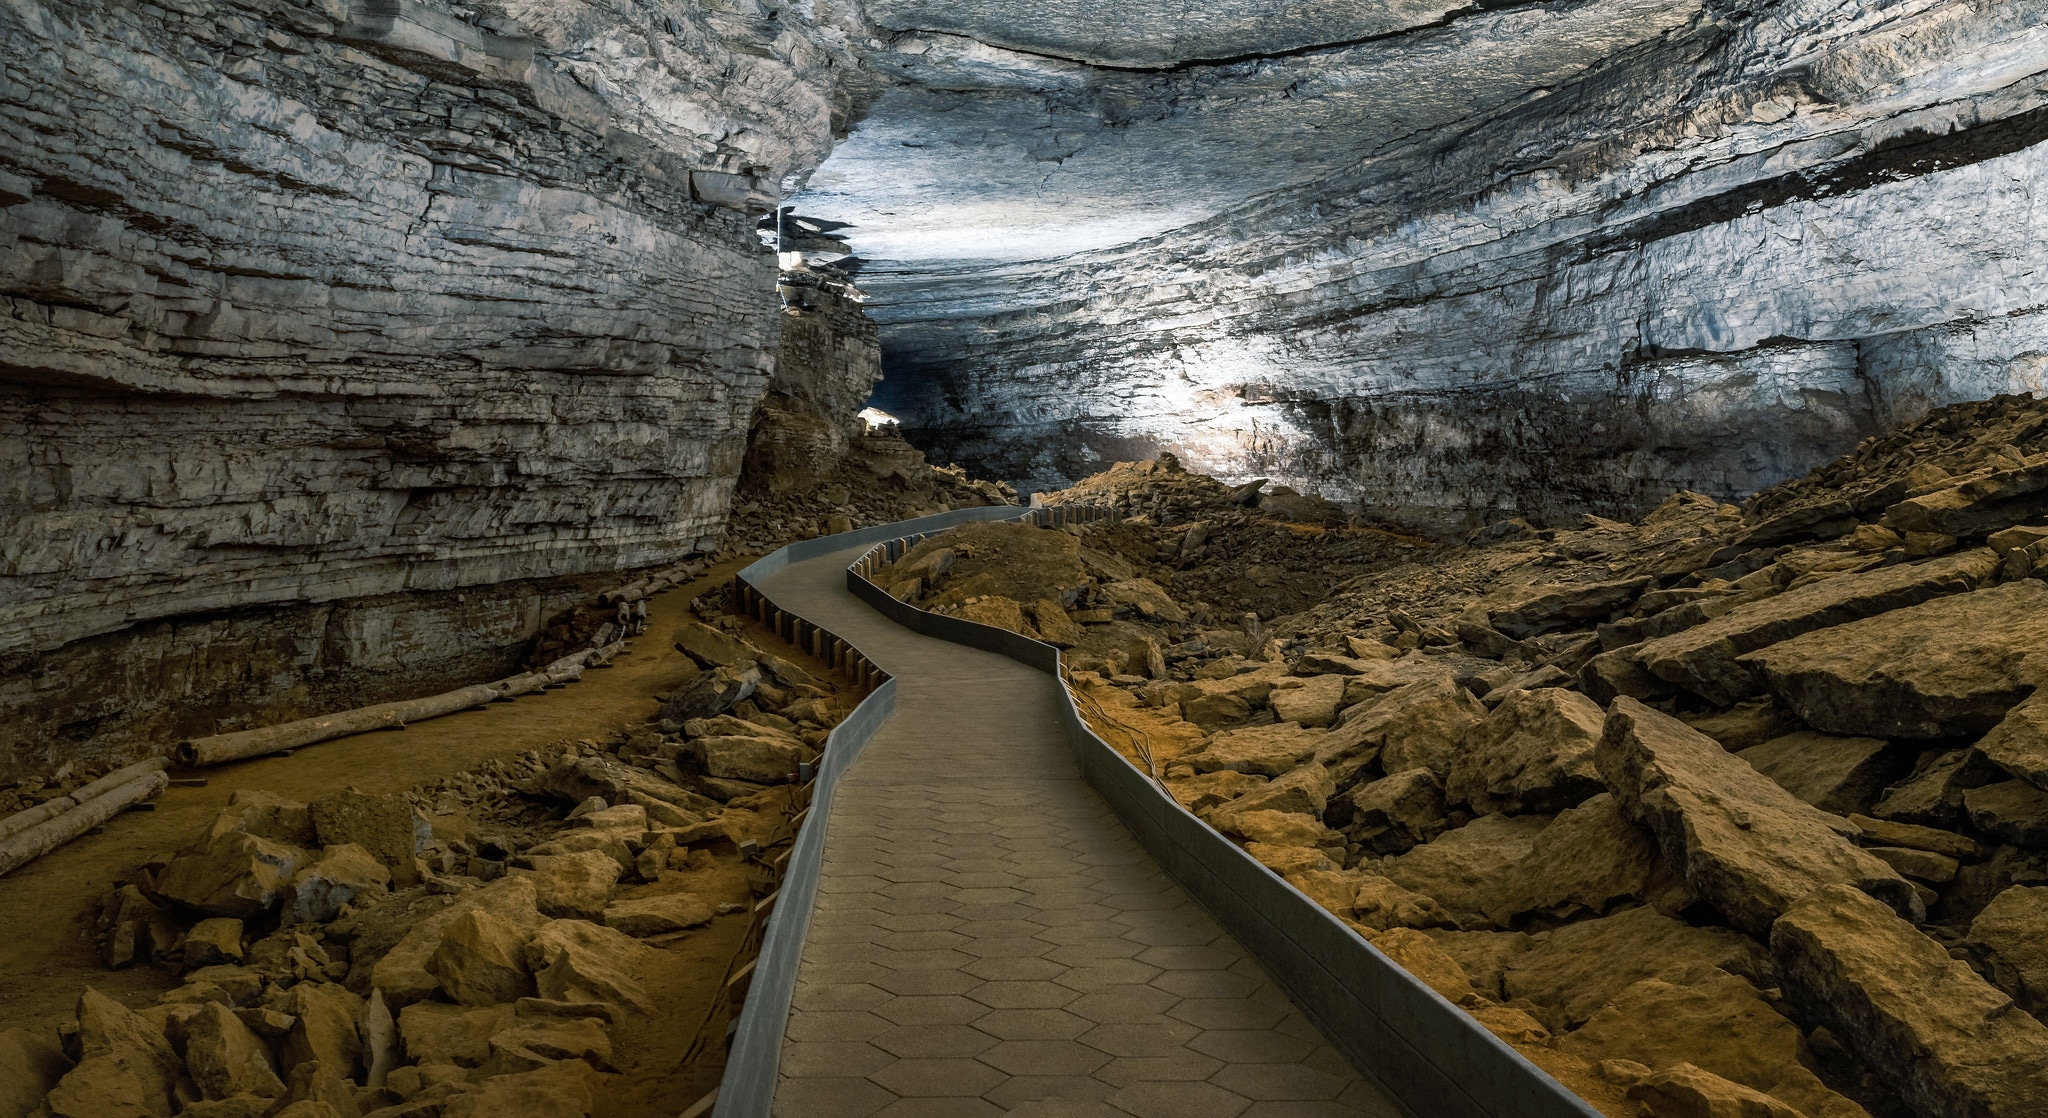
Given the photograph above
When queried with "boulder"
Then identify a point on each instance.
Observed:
(757, 758)
(1944, 1040)
(29, 1067)
(1314, 703)
(1533, 753)
(1579, 968)
(1706, 659)
(1305, 791)
(1834, 774)
(323, 1028)
(2019, 743)
(238, 875)
(225, 1058)
(1484, 956)
(1745, 845)
(386, 826)
(126, 1068)
(712, 648)
(1054, 626)
(1462, 869)
(1587, 860)
(1753, 722)
(1379, 902)
(576, 779)
(1952, 665)
(577, 886)
(1415, 952)
(712, 693)
(2013, 810)
(481, 959)
(1714, 1021)
(271, 816)
(136, 929)
(214, 941)
(1280, 828)
(1418, 725)
(1920, 865)
(1690, 1091)
(1212, 712)
(1982, 502)
(1144, 597)
(1267, 751)
(1289, 860)
(2010, 939)
(1933, 793)
(1398, 812)
(451, 1034)
(566, 1089)
(535, 1042)
(1200, 793)
(402, 973)
(244, 1105)
(577, 961)
(1532, 610)
(997, 611)
(1886, 832)
(343, 874)
(654, 916)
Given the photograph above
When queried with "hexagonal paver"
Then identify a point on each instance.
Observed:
(1024, 969)
(1018, 947)
(914, 982)
(1184, 958)
(941, 1078)
(831, 1097)
(1251, 1046)
(1179, 1100)
(920, 941)
(947, 1107)
(1054, 1096)
(815, 1058)
(1022, 995)
(1044, 1057)
(1108, 972)
(1207, 983)
(1278, 1082)
(1123, 1003)
(1231, 1013)
(1149, 1036)
(930, 1009)
(835, 1025)
(841, 995)
(922, 1041)
(1032, 1024)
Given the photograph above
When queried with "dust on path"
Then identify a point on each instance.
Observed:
(47, 906)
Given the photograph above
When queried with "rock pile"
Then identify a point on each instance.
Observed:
(881, 479)
(477, 946)
(1731, 810)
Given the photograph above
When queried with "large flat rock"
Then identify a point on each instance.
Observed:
(1706, 659)
(1746, 845)
(1949, 1043)
(1955, 665)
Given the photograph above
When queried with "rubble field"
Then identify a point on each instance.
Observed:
(1728, 811)
(547, 932)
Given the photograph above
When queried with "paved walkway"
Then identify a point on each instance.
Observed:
(990, 939)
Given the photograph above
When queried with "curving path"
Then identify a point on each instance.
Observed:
(988, 938)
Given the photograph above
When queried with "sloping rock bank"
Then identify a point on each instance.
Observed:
(1724, 811)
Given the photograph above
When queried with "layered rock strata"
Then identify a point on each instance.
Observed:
(312, 303)
(1538, 259)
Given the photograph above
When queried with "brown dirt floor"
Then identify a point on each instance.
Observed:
(47, 907)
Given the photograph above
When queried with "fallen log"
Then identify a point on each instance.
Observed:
(50, 809)
(52, 833)
(243, 744)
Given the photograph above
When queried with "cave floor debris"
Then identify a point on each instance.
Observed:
(987, 933)
(46, 907)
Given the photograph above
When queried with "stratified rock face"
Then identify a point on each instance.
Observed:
(1538, 258)
(312, 302)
